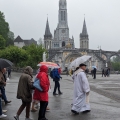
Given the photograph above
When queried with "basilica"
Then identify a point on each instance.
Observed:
(61, 48)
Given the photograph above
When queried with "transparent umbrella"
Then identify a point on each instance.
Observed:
(79, 60)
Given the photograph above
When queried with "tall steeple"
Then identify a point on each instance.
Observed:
(84, 30)
(62, 4)
(63, 13)
(84, 38)
(47, 37)
(61, 34)
(48, 34)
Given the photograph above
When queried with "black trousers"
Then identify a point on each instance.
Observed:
(43, 106)
(57, 85)
(94, 75)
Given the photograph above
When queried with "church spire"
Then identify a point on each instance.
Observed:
(47, 31)
(84, 38)
(84, 33)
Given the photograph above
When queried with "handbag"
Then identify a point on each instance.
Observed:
(36, 84)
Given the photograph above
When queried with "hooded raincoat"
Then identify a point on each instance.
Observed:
(44, 83)
(25, 86)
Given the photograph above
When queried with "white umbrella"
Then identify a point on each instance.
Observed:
(79, 60)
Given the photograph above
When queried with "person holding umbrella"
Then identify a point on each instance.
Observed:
(81, 91)
(2, 83)
(94, 72)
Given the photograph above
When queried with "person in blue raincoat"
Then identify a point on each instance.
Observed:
(56, 78)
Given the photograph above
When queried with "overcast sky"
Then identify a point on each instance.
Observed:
(27, 18)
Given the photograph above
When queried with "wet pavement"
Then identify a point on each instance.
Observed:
(103, 107)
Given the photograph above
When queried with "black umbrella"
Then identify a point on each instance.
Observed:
(4, 63)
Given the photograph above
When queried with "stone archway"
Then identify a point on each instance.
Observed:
(70, 57)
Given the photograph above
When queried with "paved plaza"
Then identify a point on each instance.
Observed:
(104, 99)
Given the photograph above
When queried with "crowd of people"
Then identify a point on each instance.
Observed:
(106, 72)
(28, 93)
(39, 95)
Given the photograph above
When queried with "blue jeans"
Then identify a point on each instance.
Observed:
(0, 107)
(3, 93)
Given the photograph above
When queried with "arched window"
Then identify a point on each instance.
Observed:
(63, 43)
(85, 45)
(61, 15)
(64, 16)
(82, 44)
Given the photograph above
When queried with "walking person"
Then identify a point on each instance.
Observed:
(81, 91)
(9, 72)
(24, 92)
(56, 78)
(3, 84)
(103, 72)
(108, 72)
(42, 96)
(94, 73)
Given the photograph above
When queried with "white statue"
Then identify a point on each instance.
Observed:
(44, 57)
(106, 64)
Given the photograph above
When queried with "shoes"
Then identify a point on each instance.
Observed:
(28, 119)
(34, 110)
(55, 94)
(4, 111)
(16, 117)
(3, 116)
(75, 112)
(7, 102)
(43, 119)
(87, 111)
(60, 93)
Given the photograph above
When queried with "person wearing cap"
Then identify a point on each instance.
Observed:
(81, 91)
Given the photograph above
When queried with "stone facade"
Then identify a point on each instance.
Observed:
(61, 34)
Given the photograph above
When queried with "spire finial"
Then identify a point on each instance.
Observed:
(84, 17)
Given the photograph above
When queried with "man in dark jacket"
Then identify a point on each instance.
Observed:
(56, 78)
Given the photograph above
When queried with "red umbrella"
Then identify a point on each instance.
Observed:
(49, 64)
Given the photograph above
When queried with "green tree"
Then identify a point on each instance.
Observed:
(4, 26)
(2, 42)
(35, 53)
(10, 40)
(16, 55)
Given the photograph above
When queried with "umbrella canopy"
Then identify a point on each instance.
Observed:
(49, 64)
(79, 60)
(4, 63)
(94, 67)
